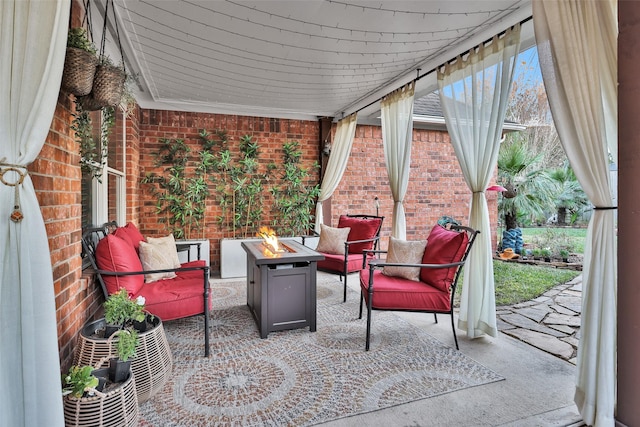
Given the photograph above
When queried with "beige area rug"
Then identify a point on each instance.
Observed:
(297, 377)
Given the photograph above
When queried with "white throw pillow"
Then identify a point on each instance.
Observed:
(406, 252)
(332, 239)
(159, 253)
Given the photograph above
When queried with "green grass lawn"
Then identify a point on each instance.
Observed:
(515, 283)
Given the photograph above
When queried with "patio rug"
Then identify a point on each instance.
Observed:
(297, 377)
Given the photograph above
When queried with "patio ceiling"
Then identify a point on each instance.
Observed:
(293, 59)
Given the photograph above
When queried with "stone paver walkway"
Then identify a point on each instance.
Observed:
(550, 322)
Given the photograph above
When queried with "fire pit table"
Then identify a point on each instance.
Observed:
(281, 285)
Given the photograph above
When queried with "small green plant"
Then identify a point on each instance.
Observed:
(564, 254)
(127, 342)
(545, 253)
(78, 380)
(120, 309)
(295, 195)
(536, 252)
(77, 37)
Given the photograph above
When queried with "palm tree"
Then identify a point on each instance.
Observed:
(529, 189)
(569, 195)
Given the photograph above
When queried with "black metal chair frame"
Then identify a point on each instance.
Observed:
(90, 238)
(375, 263)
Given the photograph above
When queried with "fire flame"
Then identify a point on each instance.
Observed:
(270, 239)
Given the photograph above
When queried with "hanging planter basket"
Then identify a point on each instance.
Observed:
(79, 70)
(108, 85)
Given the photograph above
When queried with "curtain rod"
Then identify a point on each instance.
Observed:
(446, 62)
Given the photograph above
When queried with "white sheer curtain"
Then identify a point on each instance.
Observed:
(474, 94)
(577, 42)
(340, 152)
(397, 133)
(32, 50)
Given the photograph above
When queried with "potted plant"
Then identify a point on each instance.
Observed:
(120, 311)
(546, 254)
(79, 382)
(85, 404)
(119, 367)
(80, 63)
(536, 253)
(564, 255)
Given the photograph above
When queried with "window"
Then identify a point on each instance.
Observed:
(104, 200)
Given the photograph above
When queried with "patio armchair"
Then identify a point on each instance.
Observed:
(122, 258)
(343, 246)
(417, 276)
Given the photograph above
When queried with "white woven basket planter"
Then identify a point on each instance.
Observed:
(151, 366)
(116, 408)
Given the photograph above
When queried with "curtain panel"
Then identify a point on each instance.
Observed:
(474, 93)
(340, 152)
(577, 47)
(32, 46)
(397, 133)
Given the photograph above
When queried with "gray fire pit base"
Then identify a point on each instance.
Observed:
(281, 291)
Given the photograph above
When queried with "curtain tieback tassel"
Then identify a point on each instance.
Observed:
(21, 171)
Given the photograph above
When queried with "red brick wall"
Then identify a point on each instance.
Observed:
(56, 177)
(268, 132)
(436, 184)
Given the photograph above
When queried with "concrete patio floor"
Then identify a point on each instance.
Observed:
(539, 381)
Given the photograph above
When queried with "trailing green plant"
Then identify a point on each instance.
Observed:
(120, 309)
(93, 149)
(78, 381)
(294, 194)
(127, 342)
(240, 184)
(182, 188)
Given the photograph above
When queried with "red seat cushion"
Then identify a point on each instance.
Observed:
(192, 274)
(361, 229)
(116, 254)
(395, 293)
(174, 298)
(333, 262)
(443, 247)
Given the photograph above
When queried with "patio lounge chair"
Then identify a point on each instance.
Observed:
(174, 292)
(425, 283)
(344, 253)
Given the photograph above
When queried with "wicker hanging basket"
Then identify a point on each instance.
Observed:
(151, 366)
(89, 104)
(108, 85)
(115, 408)
(79, 70)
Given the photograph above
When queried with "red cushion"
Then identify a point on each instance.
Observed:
(443, 247)
(174, 298)
(116, 254)
(361, 229)
(332, 262)
(124, 235)
(396, 293)
(134, 235)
